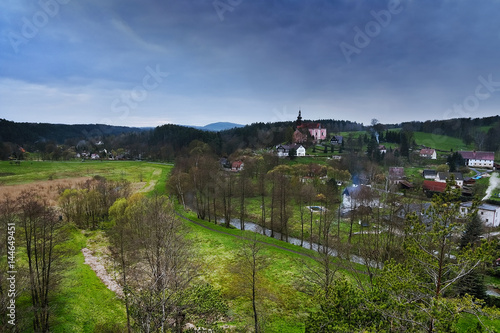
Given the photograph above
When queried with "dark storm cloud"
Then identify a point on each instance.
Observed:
(247, 59)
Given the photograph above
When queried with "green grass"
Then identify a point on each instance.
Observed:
(31, 171)
(84, 303)
(440, 142)
(287, 308)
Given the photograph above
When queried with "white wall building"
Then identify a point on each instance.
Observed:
(489, 214)
(478, 159)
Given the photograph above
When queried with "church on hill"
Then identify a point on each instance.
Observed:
(303, 129)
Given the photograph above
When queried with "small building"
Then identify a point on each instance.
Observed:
(428, 153)
(357, 196)
(443, 177)
(382, 149)
(489, 214)
(284, 150)
(430, 186)
(396, 174)
(419, 209)
(479, 159)
(301, 151)
(336, 140)
(429, 174)
(299, 137)
(237, 166)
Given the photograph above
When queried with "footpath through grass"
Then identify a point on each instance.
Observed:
(83, 303)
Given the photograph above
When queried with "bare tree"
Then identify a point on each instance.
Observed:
(40, 225)
(166, 266)
(249, 267)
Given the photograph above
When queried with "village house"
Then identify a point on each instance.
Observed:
(478, 159)
(301, 151)
(428, 153)
(396, 175)
(336, 140)
(419, 209)
(429, 174)
(354, 197)
(489, 214)
(382, 149)
(430, 187)
(237, 166)
(443, 177)
(284, 150)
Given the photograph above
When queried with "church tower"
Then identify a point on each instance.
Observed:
(299, 120)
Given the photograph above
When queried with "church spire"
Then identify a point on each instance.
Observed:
(299, 119)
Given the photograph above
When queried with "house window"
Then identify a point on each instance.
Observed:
(482, 213)
(486, 220)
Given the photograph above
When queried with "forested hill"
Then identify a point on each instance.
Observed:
(29, 133)
(482, 131)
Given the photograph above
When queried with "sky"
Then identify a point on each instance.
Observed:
(151, 62)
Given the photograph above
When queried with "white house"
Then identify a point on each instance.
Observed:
(479, 159)
(489, 214)
(442, 177)
(428, 153)
(284, 150)
(301, 151)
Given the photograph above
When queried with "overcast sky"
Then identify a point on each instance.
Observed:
(151, 62)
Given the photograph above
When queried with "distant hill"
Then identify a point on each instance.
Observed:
(219, 126)
(23, 133)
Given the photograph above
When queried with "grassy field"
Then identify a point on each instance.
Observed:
(31, 171)
(84, 304)
(440, 142)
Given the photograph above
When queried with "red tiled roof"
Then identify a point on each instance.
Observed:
(434, 186)
(309, 125)
(426, 151)
(478, 155)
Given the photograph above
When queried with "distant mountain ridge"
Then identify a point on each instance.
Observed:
(218, 126)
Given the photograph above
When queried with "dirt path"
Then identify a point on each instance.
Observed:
(101, 272)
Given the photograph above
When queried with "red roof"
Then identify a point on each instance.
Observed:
(478, 155)
(426, 151)
(309, 125)
(237, 164)
(434, 186)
